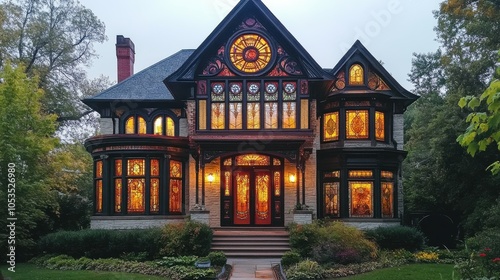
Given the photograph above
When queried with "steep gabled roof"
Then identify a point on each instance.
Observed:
(143, 86)
(397, 91)
(181, 81)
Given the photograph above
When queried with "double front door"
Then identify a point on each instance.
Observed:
(252, 196)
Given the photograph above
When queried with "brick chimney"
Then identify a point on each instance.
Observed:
(125, 54)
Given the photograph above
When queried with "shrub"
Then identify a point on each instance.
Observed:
(484, 260)
(332, 242)
(290, 258)
(426, 257)
(397, 237)
(217, 258)
(305, 270)
(177, 261)
(189, 238)
(143, 244)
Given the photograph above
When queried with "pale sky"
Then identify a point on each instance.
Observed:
(392, 30)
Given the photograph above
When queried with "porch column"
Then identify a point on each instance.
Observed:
(203, 184)
(297, 186)
(303, 169)
(197, 169)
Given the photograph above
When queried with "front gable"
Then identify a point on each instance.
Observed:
(249, 42)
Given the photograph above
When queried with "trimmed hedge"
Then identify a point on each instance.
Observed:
(189, 238)
(397, 237)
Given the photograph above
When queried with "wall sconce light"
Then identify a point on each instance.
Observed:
(210, 178)
(291, 178)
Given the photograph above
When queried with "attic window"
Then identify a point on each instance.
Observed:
(356, 75)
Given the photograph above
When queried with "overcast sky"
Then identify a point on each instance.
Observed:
(392, 30)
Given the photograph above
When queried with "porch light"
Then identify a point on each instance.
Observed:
(210, 178)
(291, 178)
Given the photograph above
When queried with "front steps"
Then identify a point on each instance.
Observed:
(251, 242)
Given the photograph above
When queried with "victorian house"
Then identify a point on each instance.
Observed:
(246, 129)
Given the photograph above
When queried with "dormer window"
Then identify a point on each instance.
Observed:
(356, 75)
(157, 124)
(164, 125)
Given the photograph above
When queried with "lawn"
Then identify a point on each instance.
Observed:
(409, 272)
(31, 272)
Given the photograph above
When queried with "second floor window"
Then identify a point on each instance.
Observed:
(158, 125)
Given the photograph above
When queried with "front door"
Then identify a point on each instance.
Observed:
(252, 196)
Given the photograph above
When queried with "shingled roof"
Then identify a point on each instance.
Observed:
(146, 85)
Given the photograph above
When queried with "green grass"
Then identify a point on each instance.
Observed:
(31, 272)
(409, 272)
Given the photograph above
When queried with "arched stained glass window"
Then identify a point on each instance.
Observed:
(356, 75)
(158, 125)
(130, 125)
(141, 125)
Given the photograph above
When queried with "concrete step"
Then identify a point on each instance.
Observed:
(252, 243)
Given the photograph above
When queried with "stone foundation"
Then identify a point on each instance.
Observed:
(132, 222)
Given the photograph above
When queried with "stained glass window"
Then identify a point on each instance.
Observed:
(356, 75)
(118, 195)
(227, 183)
(253, 115)
(289, 91)
(253, 159)
(361, 203)
(98, 169)
(218, 115)
(277, 183)
(158, 126)
(228, 162)
(331, 191)
(289, 115)
(98, 186)
(154, 195)
(262, 196)
(271, 115)
(357, 124)
(235, 92)
(250, 53)
(271, 92)
(170, 129)
(276, 162)
(218, 92)
(360, 174)
(118, 167)
(175, 193)
(141, 128)
(135, 195)
(386, 174)
(331, 126)
(155, 167)
(135, 167)
(387, 199)
(130, 125)
(242, 196)
(235, 116)
(379, 126)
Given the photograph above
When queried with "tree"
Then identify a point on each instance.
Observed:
(53, 39)
(26, 139)
(484, 124)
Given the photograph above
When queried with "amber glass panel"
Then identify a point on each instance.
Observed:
(333, 174)
(118, 167)
(227, 183)
(271, 115)
(202, 117)
(262, 199)
(331, 126)
(357, 124)
(98, 196)
(250, 53)
(135, 167)
(242, 201)
(175, 196)
(136, 195)
(235, 116)
(118, 195)
(130, 125)
(170, 128)
(276, 162)
(218, 115)
(141, 129)
(175, 169)
(158, 126)
(387, 199)
(361, 199)
(98, 169)
(155, 167)
(360, 174)
(228, 162)
(289, 115)
(356, 75)
(304, 114)
(387, 174)
(331, 191)
(253, 116)
(277, 183)
(252, 159)
(154, 195)
(379, 126)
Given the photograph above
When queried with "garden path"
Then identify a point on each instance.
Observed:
(248, 269)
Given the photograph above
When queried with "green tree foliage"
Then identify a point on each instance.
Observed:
(26, 138)
(439, 174)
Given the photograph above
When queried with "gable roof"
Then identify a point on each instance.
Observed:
(143, 86)
(181, 81)
(397, 91)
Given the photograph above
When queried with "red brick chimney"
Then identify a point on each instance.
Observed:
(125, 54)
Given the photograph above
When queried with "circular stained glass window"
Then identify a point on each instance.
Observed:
(250, 53)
